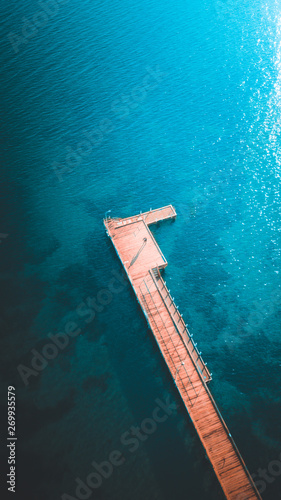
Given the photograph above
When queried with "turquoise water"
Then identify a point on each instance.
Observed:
(182, 103)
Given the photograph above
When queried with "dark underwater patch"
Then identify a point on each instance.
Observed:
(93, 383)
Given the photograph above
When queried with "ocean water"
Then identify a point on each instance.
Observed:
(182, 103)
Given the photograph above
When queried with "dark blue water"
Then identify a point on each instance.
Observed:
(182, 102)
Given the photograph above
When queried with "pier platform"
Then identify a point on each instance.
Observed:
(143, 260)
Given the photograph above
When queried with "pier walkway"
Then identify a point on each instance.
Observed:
(143, 260)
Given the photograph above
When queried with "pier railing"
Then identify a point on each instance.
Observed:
(182, 328)
(180, 367)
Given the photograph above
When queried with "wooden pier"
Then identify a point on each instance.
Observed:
(142, 260)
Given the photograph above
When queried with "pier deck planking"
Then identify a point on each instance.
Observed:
(142, 260)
